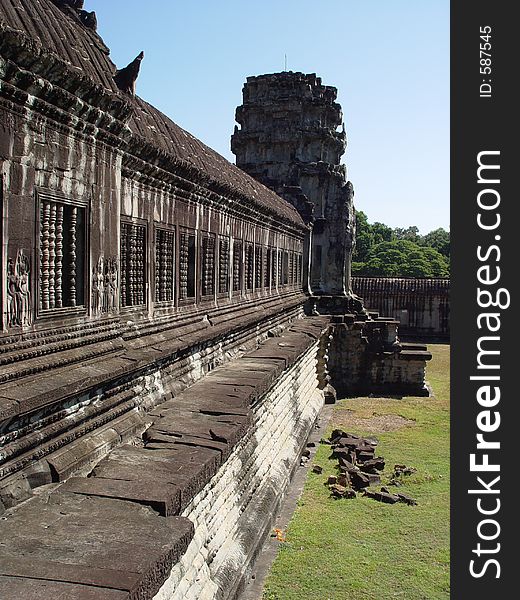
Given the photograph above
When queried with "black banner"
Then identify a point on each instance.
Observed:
(485, 243)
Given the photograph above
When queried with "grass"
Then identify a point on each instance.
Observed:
(362, 549)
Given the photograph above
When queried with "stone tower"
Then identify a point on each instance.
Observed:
(291, 138)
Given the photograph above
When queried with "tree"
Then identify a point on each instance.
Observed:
(403, 258)
(401, 252)
(438, 239)
(410, 233)
(364, 237)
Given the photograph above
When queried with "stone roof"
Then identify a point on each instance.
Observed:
(59, 31)
(158, 130)
(389, 285)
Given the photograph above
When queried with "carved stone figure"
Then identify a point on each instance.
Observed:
(19, 306)
(98, 287)
(110, 284)
(104, 286)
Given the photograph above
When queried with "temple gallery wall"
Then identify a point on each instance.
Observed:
(171, 324)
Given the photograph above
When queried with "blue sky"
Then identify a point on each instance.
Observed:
(389, 61)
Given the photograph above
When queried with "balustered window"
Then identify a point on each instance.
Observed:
(300, 269)
(133, 264)
(238, 265)
(279, 274)
(249, 266)
(258, 267)
(223, 266)
(208, 265)
(187, 264)
(62, 253)
(266, 263)
(274, 267)
(285, 268)
(164, 265)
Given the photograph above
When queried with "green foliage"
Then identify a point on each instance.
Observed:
(385, 252)
(361, 549)
(439, 239)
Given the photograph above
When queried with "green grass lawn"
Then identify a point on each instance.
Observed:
(363, 549)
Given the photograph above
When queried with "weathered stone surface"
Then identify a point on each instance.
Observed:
(16, 588)
(312, 178)
(377, 464)
(151, 490)
(359, 480)
(95, 542)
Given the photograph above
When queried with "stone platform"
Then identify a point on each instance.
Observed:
(181, 514)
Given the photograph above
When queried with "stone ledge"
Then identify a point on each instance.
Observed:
(98, 537)
(99, 543)
(41, 389)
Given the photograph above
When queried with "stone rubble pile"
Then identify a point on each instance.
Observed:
(359, 469)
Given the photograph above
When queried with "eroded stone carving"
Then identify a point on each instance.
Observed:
(19, 304)
(289, 140)
(125, 78)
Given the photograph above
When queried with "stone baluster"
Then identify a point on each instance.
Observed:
(59, 256)
(44, 254)
(139, 265)
(52, 256)
(183, 265)
(124, 263)
(73, 227)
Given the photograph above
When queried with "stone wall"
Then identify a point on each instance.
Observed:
(182, 511)
(233, 513)
(366, 357)
(135, 259)
(422, 306)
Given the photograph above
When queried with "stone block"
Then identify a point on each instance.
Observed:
(159, 495)
(95, 542)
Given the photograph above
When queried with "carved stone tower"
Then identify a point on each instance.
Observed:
(290, 140)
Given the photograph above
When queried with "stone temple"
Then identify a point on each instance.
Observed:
(171, 324)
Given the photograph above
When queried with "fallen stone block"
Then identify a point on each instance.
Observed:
(381, 497)
(349, 442)
(346, 464)
(359, 480)
(340, 491)
(364, 455)
(374, 464)
(374, 478)
(344, 480)
(406, 499)
(317, 469)
(403, 470)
